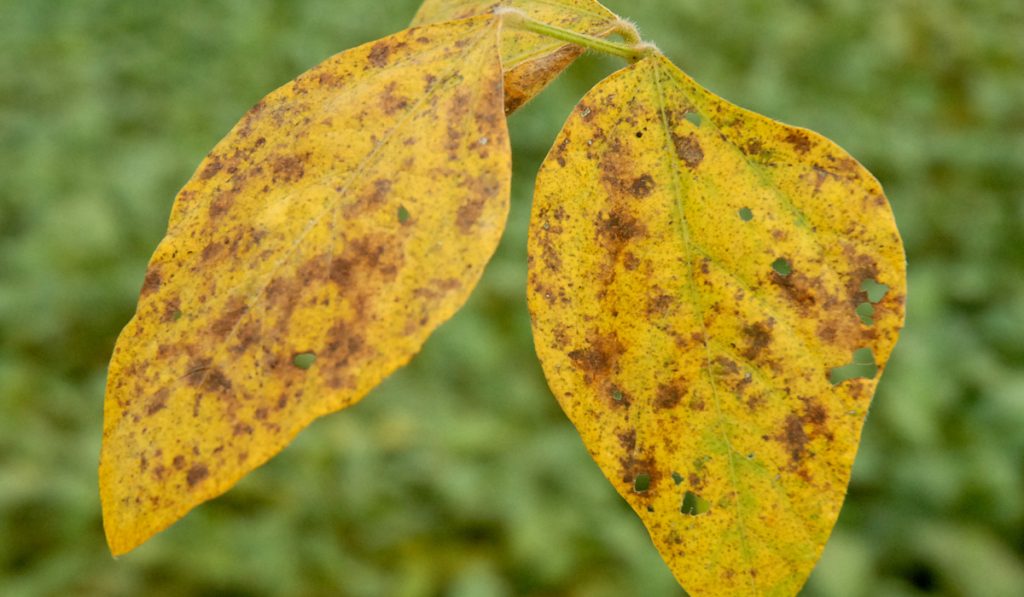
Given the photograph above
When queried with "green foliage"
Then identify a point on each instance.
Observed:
(470, 482)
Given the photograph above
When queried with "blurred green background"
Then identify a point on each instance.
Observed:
(460, 476)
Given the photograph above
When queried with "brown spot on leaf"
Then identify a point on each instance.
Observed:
(688, 149)
(179, 462)
(220, 204)
(617, 227)
(157, 402)
(627, 439)
(289, 168)
(363, 258)
(197, 473)
(374, 198)
(798, 287)
(753, 147)
(642, 186)
(759, 336)
(469, 213)
(379, 54)
(212, 168)
(226, 323)
(152, 282)
(390, 102)
(659, 305)
(799, 140)
(794, 437)
(172, 311)
(599, 357)
(668, 395)
(211, 250)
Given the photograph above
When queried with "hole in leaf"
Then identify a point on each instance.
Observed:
(639, 134)
(642, 483)
(867, 313)
(694, 118)
(617, 394)
(677, 478)
(694, 505)
(403, 214)
(746, 214)
(304, 360)
(862, 366)
(176, 315)
(782, 266)
(875, 290)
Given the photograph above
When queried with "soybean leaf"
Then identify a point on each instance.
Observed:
(313, 252)
(695, 274)
(531, 61)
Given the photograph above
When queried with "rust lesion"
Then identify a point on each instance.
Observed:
(228, 320)
(152, 281)
(197, 473)
(390, 101)
(669, 395)
(799, 430)
(688, 149)
(157, 402)
(642, 186)
(799, 140)
(759, 337)
(379, 54)
(289, 168)
(213, 166)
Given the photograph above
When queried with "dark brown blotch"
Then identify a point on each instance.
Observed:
(598, 359)
(794, 437)
(233, 312)
(799, 140)
(618, 227)
(390, 102)
(152, 282)
(642, 186)
(379, 54)
(289, 168)
(799, 288)
(212, 168)
(669, 395)
(211, 251)
(759, 337)
(196, 473)
(157, 402)
(659, 305)
(688, 149)
(469, 214)
(216, 381)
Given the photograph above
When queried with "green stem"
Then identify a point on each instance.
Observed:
(632, 51)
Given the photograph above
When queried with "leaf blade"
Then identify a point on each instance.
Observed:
(304, 263)
(695, 366)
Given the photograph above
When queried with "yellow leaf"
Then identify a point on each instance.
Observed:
(531, 60)
(695, 277)
(337, 225)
